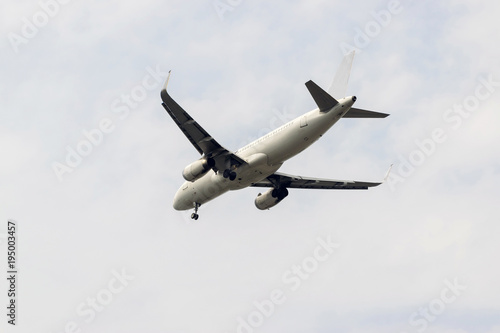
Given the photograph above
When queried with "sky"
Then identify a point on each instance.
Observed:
(91, 162)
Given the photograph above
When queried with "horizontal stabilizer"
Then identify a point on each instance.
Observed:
(323, 99)
(360, 113)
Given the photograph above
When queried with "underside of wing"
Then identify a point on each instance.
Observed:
(204, 143)
(279, 180)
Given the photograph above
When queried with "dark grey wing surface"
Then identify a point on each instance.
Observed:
(289, 181)
(360, 113)
(204, 143)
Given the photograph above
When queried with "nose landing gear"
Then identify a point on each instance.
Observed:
(195, 215)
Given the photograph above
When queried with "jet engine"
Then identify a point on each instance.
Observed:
(197, 169)
(270, 198)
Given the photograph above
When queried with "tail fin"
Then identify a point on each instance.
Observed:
(339, 84)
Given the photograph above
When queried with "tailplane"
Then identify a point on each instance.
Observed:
(324, 100)
(360, 113)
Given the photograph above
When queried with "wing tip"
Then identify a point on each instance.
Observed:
(163, 92)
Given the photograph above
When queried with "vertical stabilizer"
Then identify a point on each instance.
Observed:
(338, 87)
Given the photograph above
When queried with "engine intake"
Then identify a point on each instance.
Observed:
(197, 169)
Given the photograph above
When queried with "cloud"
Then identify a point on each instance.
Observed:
(234, 76)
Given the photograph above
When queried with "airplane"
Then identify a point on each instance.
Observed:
(256, 164)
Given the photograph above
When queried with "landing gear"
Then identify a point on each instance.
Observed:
(229, 174)
(195, 215)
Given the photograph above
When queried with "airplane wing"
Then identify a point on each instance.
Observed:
(204, 143)
(279, 179)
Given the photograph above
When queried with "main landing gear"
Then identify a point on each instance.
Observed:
(228, 173)
(195, 215)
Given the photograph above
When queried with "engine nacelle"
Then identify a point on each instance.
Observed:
(270, 198)
(197, 169)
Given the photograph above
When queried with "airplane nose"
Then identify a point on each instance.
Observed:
(182, 198)
(354, 99)
(177, 204)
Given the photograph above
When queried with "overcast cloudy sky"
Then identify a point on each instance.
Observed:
(91, 162)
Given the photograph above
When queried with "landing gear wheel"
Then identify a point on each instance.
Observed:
(195, 215)
(229, 174)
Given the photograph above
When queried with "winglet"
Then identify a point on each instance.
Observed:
(164, 93)
(387, 174)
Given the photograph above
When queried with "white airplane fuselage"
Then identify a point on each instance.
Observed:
(264, 156)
